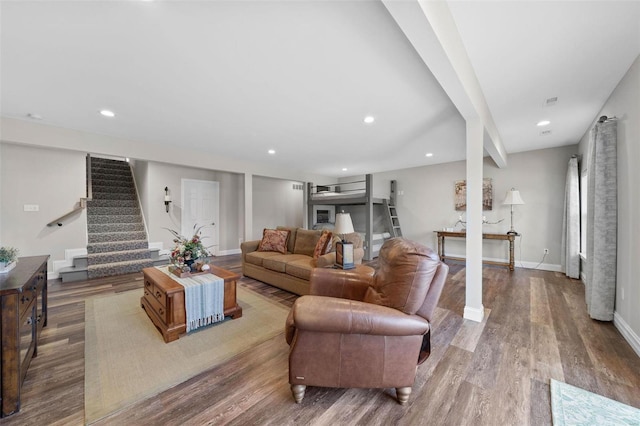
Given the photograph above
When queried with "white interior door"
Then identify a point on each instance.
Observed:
(201, 206)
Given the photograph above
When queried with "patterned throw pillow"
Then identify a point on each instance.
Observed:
(274, 240)
(322, 244)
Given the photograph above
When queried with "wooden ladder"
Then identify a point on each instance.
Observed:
(393, 223)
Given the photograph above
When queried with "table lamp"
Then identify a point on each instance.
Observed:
(513, 198)
(344, 249)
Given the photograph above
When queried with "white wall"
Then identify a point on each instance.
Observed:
(425, 203)
(153, 177)
(624, 103)
(55, 181)
(275, 202)
(39, 134)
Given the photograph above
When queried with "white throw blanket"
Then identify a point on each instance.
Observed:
(203, 298)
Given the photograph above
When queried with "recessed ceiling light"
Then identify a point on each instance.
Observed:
(543, 123)
(272, 151)
(369, 119)
(344, 169)
(107, 113)
(429, 154)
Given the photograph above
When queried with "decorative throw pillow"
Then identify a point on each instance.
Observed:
(321, 245)
(274, 240)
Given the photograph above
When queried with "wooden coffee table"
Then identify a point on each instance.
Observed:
(163, 300)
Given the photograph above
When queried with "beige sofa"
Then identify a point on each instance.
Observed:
(291, 271)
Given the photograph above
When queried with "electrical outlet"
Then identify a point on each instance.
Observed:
(31, 208)
(546, 251)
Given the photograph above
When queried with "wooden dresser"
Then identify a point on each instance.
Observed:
(23, 299)
(163, 300)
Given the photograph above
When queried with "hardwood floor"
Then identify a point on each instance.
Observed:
(493, 373)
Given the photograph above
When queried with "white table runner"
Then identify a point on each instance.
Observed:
(203, 298)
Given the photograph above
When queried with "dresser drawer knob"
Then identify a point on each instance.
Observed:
(29, 320)
(24, 299)
(158, 294)
(161, 311)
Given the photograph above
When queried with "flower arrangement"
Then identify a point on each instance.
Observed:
(187, 250)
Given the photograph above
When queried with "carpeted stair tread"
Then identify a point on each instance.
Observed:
(104, 237)
(118, 268)
(120, 183)
(111, 246)
(112, 203)
(112, 189)
(111, 176)
(115, 196)
(124, 218)
(102, 211)
(99, 228)
(112, 257)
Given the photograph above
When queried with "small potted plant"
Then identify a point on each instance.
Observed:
(8, 258)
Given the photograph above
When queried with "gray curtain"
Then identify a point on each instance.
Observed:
(602, 226)
(571, 222)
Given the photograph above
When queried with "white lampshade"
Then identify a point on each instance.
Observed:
(513, 197)
(343, 224)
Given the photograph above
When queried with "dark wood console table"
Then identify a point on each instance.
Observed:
(23, 300)
(506, 237)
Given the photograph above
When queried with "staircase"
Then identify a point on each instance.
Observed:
(117, 241)
(393, 223)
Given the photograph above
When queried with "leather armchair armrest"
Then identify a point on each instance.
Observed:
(333, 315)
(346, 284)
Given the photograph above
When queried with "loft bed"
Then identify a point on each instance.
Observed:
(349, 195)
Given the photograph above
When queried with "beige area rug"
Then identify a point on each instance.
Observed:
(126, 359)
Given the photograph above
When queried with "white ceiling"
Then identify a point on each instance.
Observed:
(240, 78)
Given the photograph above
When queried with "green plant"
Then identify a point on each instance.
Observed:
(8, 254)
(188, 248)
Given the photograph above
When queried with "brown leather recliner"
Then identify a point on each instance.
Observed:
(356, 330)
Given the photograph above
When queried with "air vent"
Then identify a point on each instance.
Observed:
(551, 101)
(545, 133)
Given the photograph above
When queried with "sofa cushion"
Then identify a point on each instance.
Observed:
(292, 236)
(404, 275)
(300, 268)
(256, 257)
(274, 240)
(323, 242)
(306, 241)
(279, 262)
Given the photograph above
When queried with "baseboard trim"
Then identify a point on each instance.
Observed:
(520, 264)
(228, 252)
(474, 314)
(629, 335)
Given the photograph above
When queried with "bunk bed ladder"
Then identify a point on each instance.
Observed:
(393, 223)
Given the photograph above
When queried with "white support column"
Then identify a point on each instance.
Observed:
(473, 309)
(248, 207)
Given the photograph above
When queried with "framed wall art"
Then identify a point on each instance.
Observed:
(460, 195)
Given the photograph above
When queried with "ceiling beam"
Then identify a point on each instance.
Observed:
(431, 29)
